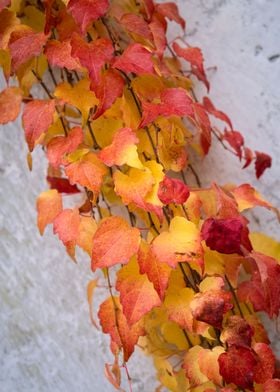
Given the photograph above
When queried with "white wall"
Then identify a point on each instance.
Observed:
(46, 340)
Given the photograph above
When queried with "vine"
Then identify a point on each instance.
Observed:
(119, 116)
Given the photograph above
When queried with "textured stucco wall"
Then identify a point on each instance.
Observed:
(46, 340)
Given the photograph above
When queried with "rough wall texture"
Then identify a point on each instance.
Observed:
(46, 340)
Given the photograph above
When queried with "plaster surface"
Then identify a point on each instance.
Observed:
(47, 343)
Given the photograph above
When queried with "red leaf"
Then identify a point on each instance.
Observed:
(262, 162)
(237, 332)
(235, 140)
(25, 44)
(108, 90)
(158, 29)
(37, 118)
(114, 242)
(61, 145)
(204, 124)
(87, 11)
(174, 101)
(59, 54)
(92, 55)
(172, 190)
(136, 24)
(135, 59)
(272, 386)
(238, 366)
(248, 156)
(194, 56)
(208, 105)
(171, 12)
(223, 235)
(263, 290)
(66, 226)
(149, 7)
(62, 185)
(10, 104)
(266, 365)
(4, 3)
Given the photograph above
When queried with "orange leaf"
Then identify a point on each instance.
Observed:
(59, 54)
(177, 306)
(208, 364)
(37, 117)
(136, 24)
(49, 205)
(122, 150)
(10, 104)
(137, 293)
(8, 22)
(87, 11)
(157, 272)
(135, 59)
(113, 322)
(87, 229)
(61, 145)
(114, 242)
(66, 226)
(171, 12)
(87, 171)
(192, 368)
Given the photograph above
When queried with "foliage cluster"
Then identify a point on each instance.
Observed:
(185, 278)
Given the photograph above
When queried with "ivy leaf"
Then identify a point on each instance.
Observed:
(37, 118)
(137, 293)
(263, 290)
(122, 150)
(135, 59)
(248, 156)
(61, 145)
(266, 365)
(114, 322)
(208, 105)
(235, 140)
(25, 44)
(93, 55)
(66, 225)
(8, 23)
(172, 190)
(173, 101)
(49, 205)
(10, 104)
(204, 124)
(108, 90)
(59, 54)
(87, 11)
(158, 29)
(157, 272)
(237, 332)
(262, 162)
(179, 243)
(87, 229)
(194, 56)
(87, 170)
(114, 242)
(135, 24)
(177, 306)
(247, 197)
(62, 185)
(238, 366)
(192, 368)
(208, 364)
(171, 12)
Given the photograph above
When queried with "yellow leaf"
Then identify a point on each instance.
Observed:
(104, 129)
(165, 373)
(173, 334)
(157, 172)
(90, 291)
(177, 306)
(34, 18)
(87, 228)
(267, 245)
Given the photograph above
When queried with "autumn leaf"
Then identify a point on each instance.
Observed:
(93, 55)
(87, 11)
(137, 293)
(266, 365)
(209, 106)
(90, 292)
(135, 59)
(170, 11)
(194, 56)
(86, 169)
(8, 23)
(108, 90)
(49, 205)
(262, 162)
(37, 118)
(172, 190)
(177, 304)
(235, 140)
(136, 24)
(66, 225)
(247, 197)
(62, 185)
(113, 322)
(157, 272)
(208, 364)
(59, 55)
(263, 290)
(237, 332)
(4, 3)
(61, 145)
(24, 45)
(114, 242)
(87, 229)
(158, 28)
(173, 101)
(10, 104)
(238, 366)
(179, 243)
(271, 385)
(122, 150)
(192, 368)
